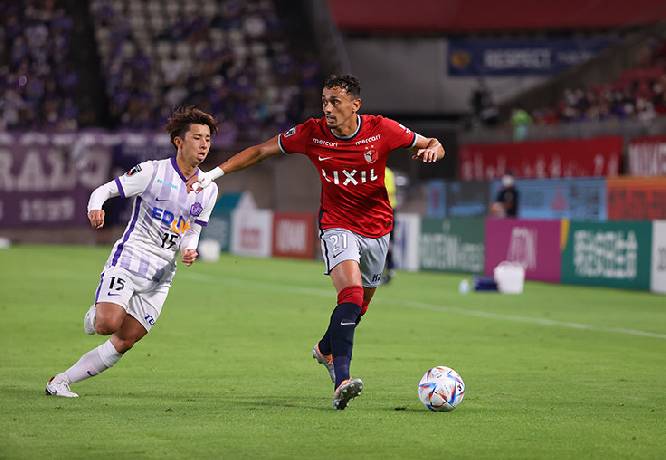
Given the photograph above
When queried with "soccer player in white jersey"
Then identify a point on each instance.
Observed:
(137, 276)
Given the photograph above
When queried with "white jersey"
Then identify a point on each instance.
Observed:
(163, 212)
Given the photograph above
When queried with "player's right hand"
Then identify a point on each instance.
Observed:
(189, 256)
(96, 218)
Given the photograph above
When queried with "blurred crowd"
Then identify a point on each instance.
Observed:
(230, 58)
(639, 93)
(37, 80)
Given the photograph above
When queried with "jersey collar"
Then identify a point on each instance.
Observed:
(359, 121)
(174, 163)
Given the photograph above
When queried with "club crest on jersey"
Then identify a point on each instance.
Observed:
(134, 170)
(290, 132)
(196, 209)
(370, 155)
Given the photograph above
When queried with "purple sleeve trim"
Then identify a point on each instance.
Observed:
(203, 223)
(120, 187)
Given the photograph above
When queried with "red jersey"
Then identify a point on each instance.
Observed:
(351, 170)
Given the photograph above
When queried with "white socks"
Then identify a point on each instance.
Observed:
(92, 363)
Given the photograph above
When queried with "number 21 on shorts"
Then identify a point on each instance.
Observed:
(339, 242)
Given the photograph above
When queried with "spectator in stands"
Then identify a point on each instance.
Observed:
(507, 199)
(637, 94)
(520, 120)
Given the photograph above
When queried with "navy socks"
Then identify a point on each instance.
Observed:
(341, 331)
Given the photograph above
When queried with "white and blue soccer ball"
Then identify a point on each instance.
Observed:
(441, 389)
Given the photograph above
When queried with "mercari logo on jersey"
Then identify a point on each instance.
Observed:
(179, 226)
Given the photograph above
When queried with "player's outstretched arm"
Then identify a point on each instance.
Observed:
(243, 159)
(97, 199)
(427, 149)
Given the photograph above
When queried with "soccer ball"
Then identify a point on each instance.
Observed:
(441, 389)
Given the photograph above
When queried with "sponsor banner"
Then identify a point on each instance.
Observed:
(47, 182)
(559, 198)
(597, 157)
(251, 233)
(467, 199)
(405, 242)
(436, 199)
(46, 179)
(647, 156)
(615, 254)
(219, 228)
(658, 272)
(452, 245)
(637, 198)
(535, 244)
(293, 235)
(511, 57)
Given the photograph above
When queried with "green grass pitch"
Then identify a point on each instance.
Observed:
(558, 372)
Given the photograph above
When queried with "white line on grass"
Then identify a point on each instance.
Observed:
(431, 307)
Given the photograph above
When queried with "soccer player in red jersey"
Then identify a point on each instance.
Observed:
(349, 152)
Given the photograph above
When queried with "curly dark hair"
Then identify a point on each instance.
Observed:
(180, 120)
(347, 82)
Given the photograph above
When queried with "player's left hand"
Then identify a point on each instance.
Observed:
(427, 155)
(189, 256)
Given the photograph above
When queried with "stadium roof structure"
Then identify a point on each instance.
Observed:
(466, 16)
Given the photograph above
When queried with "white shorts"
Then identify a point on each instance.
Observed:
(140, 297)
(338, 245)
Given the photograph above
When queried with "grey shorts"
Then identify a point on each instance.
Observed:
(338, 245)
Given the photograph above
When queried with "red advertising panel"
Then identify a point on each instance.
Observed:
(540, 159)
(636, 198)
(451, 16)
(535, 244)
(647, 156)
(293, 235)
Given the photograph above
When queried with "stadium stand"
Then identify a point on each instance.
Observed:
(231, 58)
(638, 93)
(37, 75)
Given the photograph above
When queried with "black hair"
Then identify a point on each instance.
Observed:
(181, 119)
(347, 82)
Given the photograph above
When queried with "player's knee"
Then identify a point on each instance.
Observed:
(351, 294)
